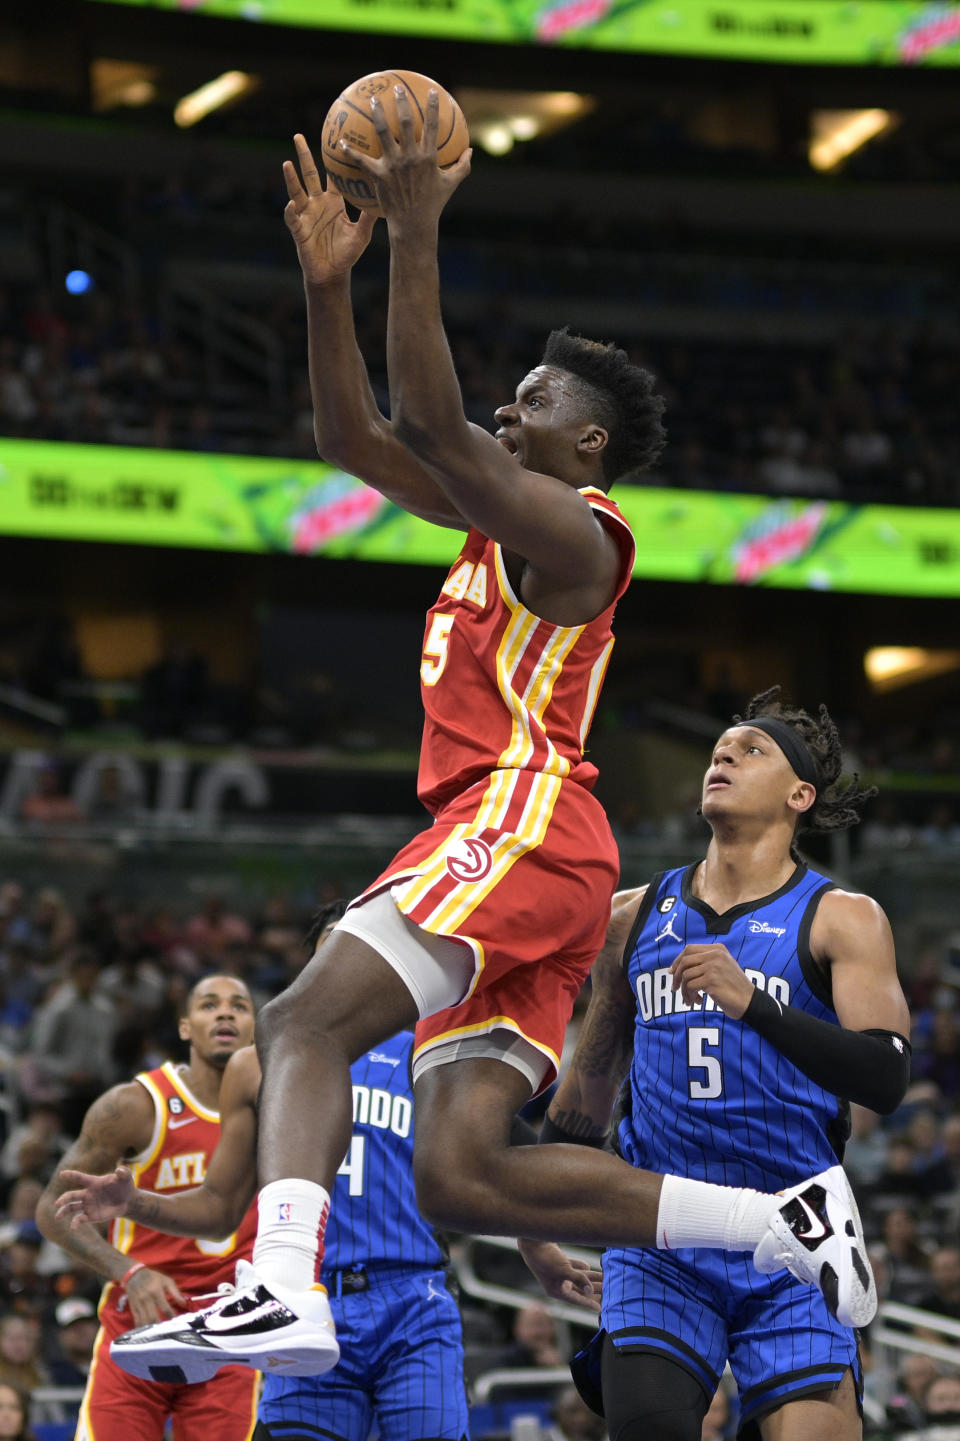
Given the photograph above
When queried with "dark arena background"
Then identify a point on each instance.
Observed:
(209, 709)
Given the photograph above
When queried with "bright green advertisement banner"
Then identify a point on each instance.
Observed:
(251, 503)
(819, 32)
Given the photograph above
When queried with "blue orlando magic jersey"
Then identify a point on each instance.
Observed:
(373, 1215)
(708, 1097)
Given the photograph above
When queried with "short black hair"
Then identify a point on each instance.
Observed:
(839, 801)
(326, 916)
(621, 395)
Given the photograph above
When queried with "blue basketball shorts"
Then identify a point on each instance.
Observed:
(702, 1308)
(401, 1367)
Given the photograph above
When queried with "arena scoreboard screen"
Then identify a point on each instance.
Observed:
(815, 32)
(305, 507)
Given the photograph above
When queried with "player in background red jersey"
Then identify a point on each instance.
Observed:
(164, 1126)
(483, 928)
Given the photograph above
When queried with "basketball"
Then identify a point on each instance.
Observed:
(349, 119)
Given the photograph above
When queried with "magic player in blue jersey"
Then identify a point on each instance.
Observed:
(751, 1000)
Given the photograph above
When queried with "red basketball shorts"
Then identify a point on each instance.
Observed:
(521, 868)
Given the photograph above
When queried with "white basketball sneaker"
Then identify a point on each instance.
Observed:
(272, 1329)
(816, 1233)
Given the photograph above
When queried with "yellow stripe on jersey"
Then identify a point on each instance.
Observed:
(516, 637)
(85, 1431)
(506, 851)
(545, 674)
(597, 674)
(529, 709)
(139, 1164)
(432, 869)
(490, 814)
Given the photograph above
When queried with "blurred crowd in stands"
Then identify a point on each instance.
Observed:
(856, 419)
(89, 995)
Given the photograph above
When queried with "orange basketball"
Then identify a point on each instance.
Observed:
(349, 119)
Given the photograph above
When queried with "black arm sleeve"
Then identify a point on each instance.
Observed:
(871, 1067)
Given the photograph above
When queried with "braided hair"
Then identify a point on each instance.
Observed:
(839, 799)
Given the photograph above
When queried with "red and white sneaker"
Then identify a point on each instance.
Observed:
(816, 1233)
(269, 1328)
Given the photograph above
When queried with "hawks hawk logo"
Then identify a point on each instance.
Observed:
(469, 860)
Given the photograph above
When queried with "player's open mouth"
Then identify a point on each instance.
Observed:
(507, 441)
(225, 1033)
(717, 778)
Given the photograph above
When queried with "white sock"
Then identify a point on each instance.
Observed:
(697, 1213)
(292, 1217)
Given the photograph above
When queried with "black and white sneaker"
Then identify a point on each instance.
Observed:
(271, 1329)
(816, 1233)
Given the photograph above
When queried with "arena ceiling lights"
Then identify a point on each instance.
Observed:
(836, 134)
(889, 667)
(227, 88)
(497, 119)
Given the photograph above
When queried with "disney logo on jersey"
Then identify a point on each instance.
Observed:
(761, 928)
(469, 859)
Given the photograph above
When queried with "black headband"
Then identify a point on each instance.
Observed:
(796, 752)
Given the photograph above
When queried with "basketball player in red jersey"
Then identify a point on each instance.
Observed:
(484, 927)
(164, 1126)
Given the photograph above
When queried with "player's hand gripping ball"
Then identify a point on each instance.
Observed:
(349, 118)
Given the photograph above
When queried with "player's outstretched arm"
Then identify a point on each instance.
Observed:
(582, 1104)
(119, 1124)
(213, 1210)
(539, 517)
(581, 1107)
(350, 431)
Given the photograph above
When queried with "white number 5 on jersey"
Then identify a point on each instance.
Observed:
(698, 1039)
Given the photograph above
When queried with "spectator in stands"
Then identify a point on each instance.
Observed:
(572, 1420)
(907, 1260)
(939, 1059)
(906, 1407)
(70, 1059)
(77, 1324)
(215, 929)
(20, 1361)
(14, 1414)
(22, 1287)
(536, 1345)
(52, 926)
(943, 1295)
(942, 1407)
(930, 1163)
(35, 1146)
(865, 1157)
(48, 804)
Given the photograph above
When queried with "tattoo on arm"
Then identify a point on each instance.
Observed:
(576, 1123)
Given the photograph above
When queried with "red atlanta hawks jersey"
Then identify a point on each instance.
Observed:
(503, 689)
(185, 1136)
